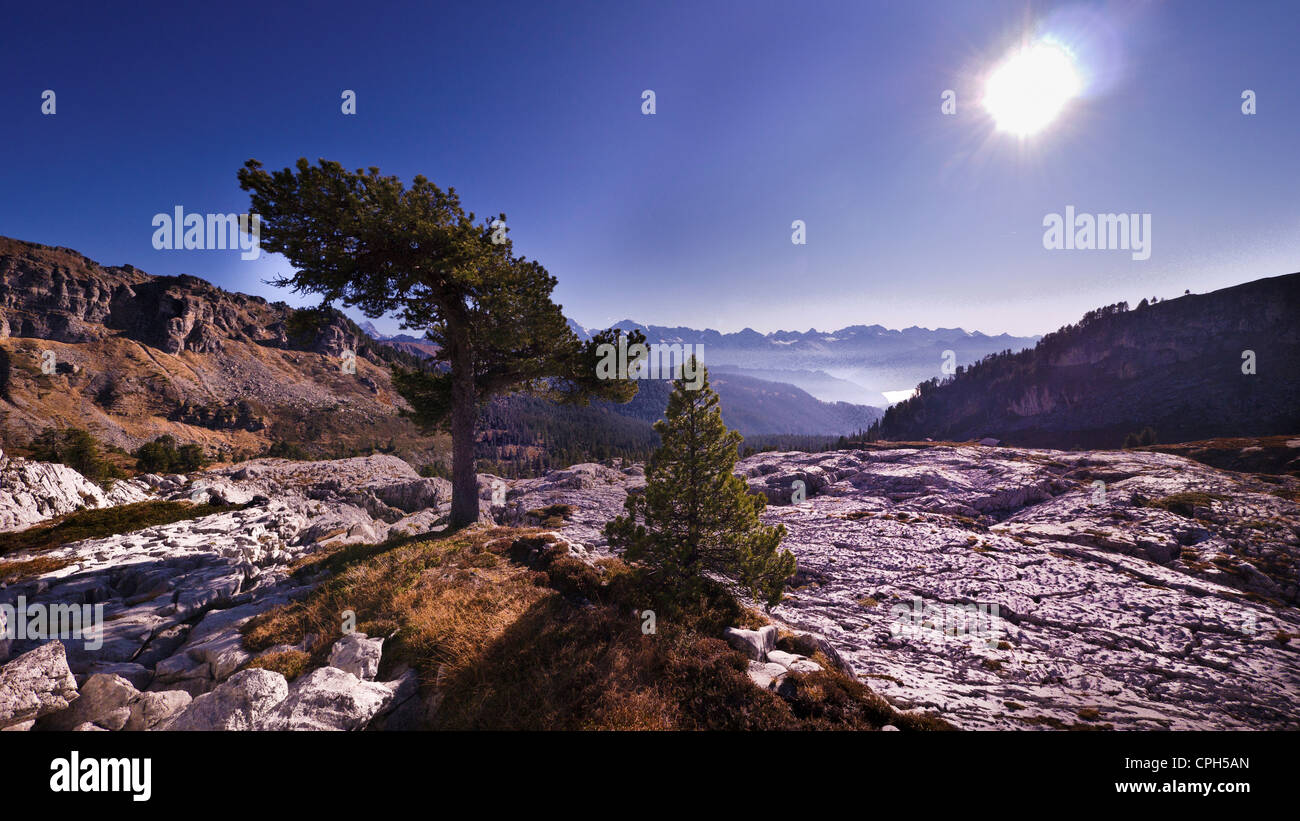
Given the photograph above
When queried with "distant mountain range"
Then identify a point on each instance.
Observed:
(857, 364)
(861, 364)
(1226, 363)
(751, 404)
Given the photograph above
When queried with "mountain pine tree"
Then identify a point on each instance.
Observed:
(372, 243)
(697, 518)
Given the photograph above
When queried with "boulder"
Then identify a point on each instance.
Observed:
(36, 684)
(766, 675)
(792, 662)
(414, 494)
(408, 709)
(357, 654)
(239, 703)
(104, 701)
(753, 643)
(155, 711)
(218, 492)
(329, 699)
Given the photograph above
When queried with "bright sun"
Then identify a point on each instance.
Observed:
(1030, 88)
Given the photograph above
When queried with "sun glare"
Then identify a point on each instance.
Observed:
(1029, 89)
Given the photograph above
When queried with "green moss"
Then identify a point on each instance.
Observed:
(109, 521)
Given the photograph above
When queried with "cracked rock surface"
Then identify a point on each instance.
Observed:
(1003, 588)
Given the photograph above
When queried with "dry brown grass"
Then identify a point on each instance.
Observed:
(12, 572)
(443, 597)
(288, 663)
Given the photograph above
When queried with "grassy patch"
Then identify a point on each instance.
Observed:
(101, 522)
(12, 572)
(551, 515)
(288, 663)
(1183, 504)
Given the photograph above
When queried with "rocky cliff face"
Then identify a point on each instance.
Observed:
(58, 294)
(1225, 363)
(136, 356)
(999, 587)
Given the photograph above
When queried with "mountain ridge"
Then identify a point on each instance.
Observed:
(857, 364)
(1200, 366)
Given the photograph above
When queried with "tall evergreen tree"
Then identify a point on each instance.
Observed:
(696, 516)
(371, 243)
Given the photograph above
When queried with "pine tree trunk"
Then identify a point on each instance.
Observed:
(464, 479)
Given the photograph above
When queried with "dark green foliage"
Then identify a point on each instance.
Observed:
(696, 517)
(240, 416)
(435, 470)
(162, 456)
(157, 456)
(524, 435)
(287, 450)
(189, 458)
(77, 449)
(99, 523)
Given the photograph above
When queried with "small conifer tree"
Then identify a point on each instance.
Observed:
(696, 518)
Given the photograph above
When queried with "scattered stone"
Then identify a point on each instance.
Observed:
(155, 711)
(357, 654)
(766, 675)
(103, 701)
(753, 643)
(329, 699)
(239, 703)
(36, 684)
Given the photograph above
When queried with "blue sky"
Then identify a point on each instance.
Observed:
(765, 113)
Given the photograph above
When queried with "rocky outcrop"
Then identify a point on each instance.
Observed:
(135, 356)
(61, 295)
(31, 492)
(329, 699)
(155, 711)
(754, 643)
(103, 700)
(357, 654)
